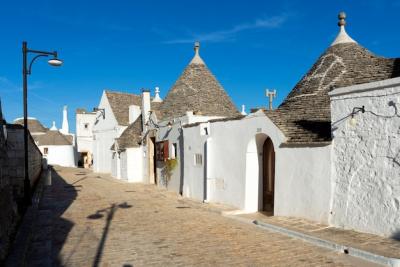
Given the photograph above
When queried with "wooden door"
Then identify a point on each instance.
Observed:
(152, 161)
(268, 176)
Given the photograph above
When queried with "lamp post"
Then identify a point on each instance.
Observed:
(26, 70)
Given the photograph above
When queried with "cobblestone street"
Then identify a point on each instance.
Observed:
(88, 219)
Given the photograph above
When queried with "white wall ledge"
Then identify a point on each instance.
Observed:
(364, 87)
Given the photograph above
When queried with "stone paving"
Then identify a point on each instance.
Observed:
(388, 247)
(89, 219)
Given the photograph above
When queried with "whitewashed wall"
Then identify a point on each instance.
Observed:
(303, 188)
(123, 165)
(84, 136)
(128, 165)
(134, 164)
(367, 158)
(114, 164)
(228, 150)
(231, 168)
(60, 155)
(104, 133)
(173, 135)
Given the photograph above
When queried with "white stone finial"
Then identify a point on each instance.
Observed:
(65, 127)
(53, 127)
(243, 110)
(197, 59)
(342, 19)
(342, 37)
(157, 97)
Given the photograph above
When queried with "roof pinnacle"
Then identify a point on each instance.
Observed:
(53, 127)
(157, 97)
(197, 59)
(342, 37)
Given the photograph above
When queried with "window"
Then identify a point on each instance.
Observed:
(46, 150)
(162, 151)
(198, 159)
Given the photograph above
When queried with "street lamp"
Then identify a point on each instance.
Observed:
(26, 70)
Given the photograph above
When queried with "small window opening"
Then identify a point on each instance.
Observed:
(198, 159)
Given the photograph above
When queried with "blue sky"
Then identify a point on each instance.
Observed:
(129, 45)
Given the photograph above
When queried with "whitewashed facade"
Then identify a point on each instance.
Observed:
(62, 155)
(84, 136)
(112, 118)
(105, 130)
(232, 169)
(366, 157)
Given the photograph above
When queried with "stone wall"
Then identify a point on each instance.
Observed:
(366, 158)
(8, 207)
(15, 151)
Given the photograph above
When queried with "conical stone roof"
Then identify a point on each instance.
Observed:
(131, 136)
(120, 103)
(53, 138)
(197, 90)
(34, 126)
(304, 116)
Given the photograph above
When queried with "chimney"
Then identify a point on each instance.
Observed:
(146, 107)
(134, 113)
(157, 98)
(65, 127)
(243, 110)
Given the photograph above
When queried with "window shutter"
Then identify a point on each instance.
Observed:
(159, 151)
(166, 150)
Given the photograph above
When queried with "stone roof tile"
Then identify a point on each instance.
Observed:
(131, 137)
(53, 138)
(34, 126)
(120, 103)
(304, 116)
(197, 90)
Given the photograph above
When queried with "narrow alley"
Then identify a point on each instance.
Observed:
(88, 219)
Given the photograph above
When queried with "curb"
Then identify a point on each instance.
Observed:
(362, 254)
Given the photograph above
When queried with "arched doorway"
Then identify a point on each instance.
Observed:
(268, 177)
(260, 174)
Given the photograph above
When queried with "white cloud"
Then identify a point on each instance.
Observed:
(230, 34)
(7, 86)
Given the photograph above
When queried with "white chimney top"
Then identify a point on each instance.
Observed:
(146, 107)
(53, 128)
(243, 110)
(157, 98)
(65, 128)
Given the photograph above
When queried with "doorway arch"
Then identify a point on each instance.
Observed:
(260, 174)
